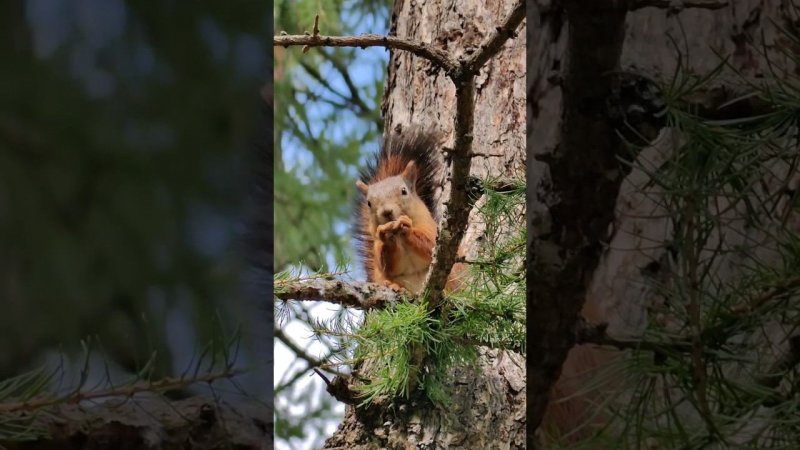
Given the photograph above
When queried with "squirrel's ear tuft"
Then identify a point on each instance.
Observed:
(362, 187)
(410, 175)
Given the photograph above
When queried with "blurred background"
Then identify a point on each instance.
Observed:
(128, 134)
(327, 120)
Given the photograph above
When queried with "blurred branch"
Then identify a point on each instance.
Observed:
(593, 333)
(162, 385)
(786, 362)
(784, 287)
(302, 354)
(355, 95)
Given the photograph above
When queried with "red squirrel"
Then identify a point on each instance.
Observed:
(396, 219)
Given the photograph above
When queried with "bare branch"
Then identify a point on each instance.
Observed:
(357, 295)
(164, 384)
(432, 54)
(301, 353)
(339, 388)
(313, 363)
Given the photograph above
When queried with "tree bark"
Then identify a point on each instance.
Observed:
(487, 407)
(613, 284)
(150, 424)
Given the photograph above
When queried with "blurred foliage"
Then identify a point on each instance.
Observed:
(718, 363)
(126, 128)
(32, 401)
(327, 118)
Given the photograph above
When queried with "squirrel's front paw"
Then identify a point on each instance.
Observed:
(388, 230)
(404, 224)
(393, 285)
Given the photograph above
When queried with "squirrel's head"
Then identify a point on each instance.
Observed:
(391, 197)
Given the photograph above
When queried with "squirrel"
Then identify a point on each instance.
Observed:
(395, 223)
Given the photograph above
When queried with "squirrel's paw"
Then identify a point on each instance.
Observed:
(400, 226)
(393, 285)
(388, 230)
(404, 224)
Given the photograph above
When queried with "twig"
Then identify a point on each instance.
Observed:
(436, 56)
(776, 291)
(313, 362)
(590, 333)
(339, 388)
(786, 362)
(281, 336)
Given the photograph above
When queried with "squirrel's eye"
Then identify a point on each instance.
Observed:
(404, 191)
(369, 204)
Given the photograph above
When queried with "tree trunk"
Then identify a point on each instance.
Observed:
(614, 280)
(487, 407)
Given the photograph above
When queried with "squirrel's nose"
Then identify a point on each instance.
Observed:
(388, 214)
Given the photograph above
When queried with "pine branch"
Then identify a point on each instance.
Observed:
(364, 296)
(595, 334)
(302, 354)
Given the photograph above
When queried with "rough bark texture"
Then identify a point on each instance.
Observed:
(487, 412)
(614, 283)
(619, 288)
(578, 194)
(488, 406)
(195, 423)
(417, 95)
